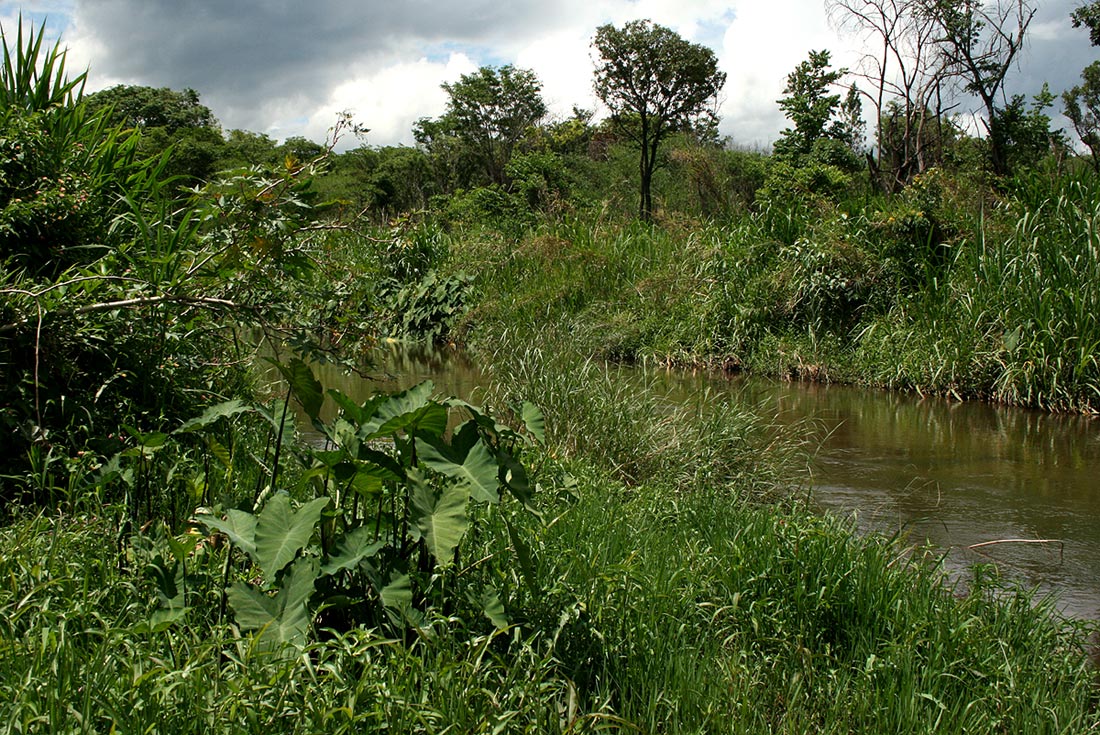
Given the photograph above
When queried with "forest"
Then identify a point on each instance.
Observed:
(199, 536)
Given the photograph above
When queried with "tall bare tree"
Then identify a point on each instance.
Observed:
(980, 40)
(905, 71)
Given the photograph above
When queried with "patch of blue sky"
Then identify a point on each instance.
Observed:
(712, 31)
(440, 53)
(56, 14)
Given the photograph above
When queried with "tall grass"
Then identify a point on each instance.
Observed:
(625, 421)
(1016, 316)
(948, 288)
(695, 614)
(652, 611)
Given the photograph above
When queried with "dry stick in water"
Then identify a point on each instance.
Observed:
(1061, 544)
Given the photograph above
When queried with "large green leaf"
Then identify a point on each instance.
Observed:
(212, 414)
(219, 451)
(238, 525)
(282, 618)
(441, 519)
(350, 407)
(477, 472)
(411, 411)
(534, 421)
(490, 604)
(281, 532)
(397, 593)
(514, 476)
(305, 386)
(353, 548)
(484, 419)
(524, 555)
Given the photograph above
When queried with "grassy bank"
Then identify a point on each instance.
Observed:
(174, 558)
(654, 611)
(947, 288)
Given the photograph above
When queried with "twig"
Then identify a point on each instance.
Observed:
(1061, 544)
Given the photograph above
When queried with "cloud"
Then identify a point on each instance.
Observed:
(286, 67)
(389, 101)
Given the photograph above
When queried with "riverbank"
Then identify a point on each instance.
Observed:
(990, 296)
(573, 554)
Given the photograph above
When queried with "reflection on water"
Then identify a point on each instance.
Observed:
(946, 473)
(958, 474)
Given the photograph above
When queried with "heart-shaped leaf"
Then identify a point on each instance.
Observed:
(212, 414)
(441, 519)
(239, 527)
(282, 618)
(353, 548)
(281, 532)
(477, 472)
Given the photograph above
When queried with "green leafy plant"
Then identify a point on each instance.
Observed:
(430, 308)
(396, 485)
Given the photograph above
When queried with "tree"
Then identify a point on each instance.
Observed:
(979, 42)
(488, 114)
(244, 148)
(300, 149)
(166, 119)
(1026, 136)
(654, 83)
(148, 107)
(1088, 16)
(1082, 102)
(1082, 107)
(818, 116)
(905, 72)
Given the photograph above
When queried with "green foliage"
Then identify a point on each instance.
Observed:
(710, 181)
(166, 121)
(979, 43)
(382, 182)
(493, 207)
(1026, 135)
(488, 114)
(1088, 15)
(243, 149)
(817, 157)
(33, 79)
(145, 107)
(427, 309)
(654, 83)
(1082, 106)
(812, 109)
(62, 176)
(120, 302)
(394, 488)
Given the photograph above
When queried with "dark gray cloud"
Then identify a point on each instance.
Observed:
(247, 55)
(267, 65)
(1055, 52)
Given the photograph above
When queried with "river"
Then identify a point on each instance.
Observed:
(976, 482)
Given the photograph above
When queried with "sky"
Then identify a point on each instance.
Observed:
(288, 67)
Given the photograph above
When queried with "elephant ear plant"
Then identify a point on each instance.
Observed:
(397, 484)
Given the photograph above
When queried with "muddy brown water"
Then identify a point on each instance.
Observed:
(979, 483)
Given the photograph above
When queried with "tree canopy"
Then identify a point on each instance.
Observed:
(654, 82)
(148, 107)
(980, 42)
(818, 114)
(488, 113)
